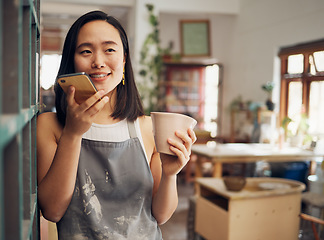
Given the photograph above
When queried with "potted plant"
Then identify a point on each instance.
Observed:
(268, 87)
(298, 132)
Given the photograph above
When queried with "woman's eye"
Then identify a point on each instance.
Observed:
(85, 51)
(110, 50)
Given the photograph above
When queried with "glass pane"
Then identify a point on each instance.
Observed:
(211, 99)
(295, 63)
(316, 108)
(49, 68)
(312, 69)
(294, 104)
(319, 60)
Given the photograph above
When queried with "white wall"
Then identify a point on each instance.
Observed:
(221, 31)
(142, 27)
(262, 28)
(247, 43)
(202, 6)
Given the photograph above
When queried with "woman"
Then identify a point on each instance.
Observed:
(99, 175)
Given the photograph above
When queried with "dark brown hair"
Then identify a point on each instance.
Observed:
(128, 104)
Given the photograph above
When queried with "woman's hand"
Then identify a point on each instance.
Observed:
(79, 117)
(172, 165)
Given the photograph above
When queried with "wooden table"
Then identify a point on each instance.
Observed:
(244, 153)
(266, 208)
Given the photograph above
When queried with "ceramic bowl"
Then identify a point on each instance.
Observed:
(234, 183)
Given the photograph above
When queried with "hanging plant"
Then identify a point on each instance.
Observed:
(151, 62)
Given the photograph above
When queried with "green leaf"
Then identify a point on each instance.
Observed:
(153, 20)
(150, 7)
(268, 87)
(143, 73)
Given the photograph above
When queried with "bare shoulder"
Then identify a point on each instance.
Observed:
(48, 118)
(147, 135)
(145, 121)
(48, 123)
(146, 126)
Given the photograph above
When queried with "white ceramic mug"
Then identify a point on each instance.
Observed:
(165, 125)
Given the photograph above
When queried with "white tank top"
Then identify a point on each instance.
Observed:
(117, 132)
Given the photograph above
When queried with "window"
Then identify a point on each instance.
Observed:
(302, 85)
(211, 98)
(50, 64)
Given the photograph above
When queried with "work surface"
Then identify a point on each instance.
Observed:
(240, 153)
(254, 188)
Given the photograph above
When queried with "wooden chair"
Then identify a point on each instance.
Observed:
(202, 138)
(314, 222)
(313, 200)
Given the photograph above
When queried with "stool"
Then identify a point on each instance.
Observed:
(316, 200)
(312, 199)
(313, 221)
(192, 235)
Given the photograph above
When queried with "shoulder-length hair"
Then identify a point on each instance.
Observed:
(128, 104)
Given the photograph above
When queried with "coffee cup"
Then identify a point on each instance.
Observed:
(165, 124)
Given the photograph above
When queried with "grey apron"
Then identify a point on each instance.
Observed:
(113, 193)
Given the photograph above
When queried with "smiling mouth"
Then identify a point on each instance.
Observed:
(98, 75)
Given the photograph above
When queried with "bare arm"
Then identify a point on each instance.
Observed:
(57, 167)
(58, 154)
(165, 198)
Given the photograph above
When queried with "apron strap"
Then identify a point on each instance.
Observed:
(131, 129)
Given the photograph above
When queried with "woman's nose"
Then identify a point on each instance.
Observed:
(98, 61)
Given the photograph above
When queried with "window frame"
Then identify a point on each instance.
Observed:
(306, 78)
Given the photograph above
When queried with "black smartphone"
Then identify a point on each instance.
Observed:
(84, 87)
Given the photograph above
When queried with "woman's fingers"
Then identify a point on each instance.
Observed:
(186, 138)
(192, 135)
(179, 148)
(183, 148)
(98, 106)
(88, 109)
(92, 100)
(91, 106)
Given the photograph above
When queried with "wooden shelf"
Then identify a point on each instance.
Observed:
(183, 88)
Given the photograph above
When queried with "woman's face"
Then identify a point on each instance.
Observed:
(99, 52)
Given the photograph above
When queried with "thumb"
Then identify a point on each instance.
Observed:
(70, 95)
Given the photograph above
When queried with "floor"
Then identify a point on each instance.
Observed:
(176, 227)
